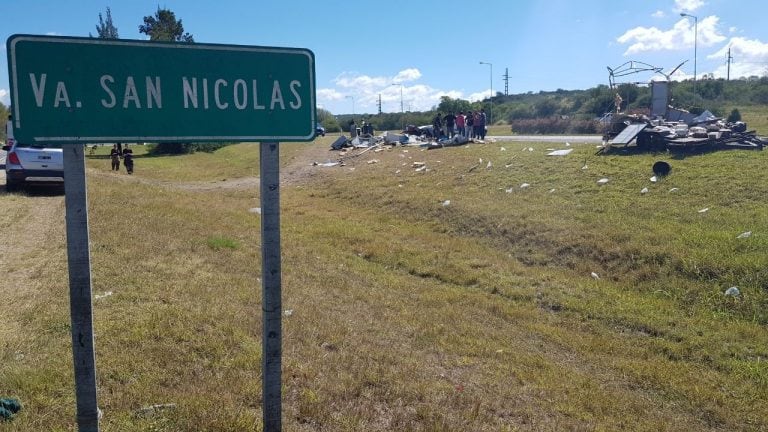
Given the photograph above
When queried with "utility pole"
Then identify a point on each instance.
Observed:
(506, 81)
(729, 64)
(379, 103)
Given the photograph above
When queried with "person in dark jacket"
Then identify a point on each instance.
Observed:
(114, 156)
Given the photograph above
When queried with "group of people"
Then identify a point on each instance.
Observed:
(126, 154)
(471, 125)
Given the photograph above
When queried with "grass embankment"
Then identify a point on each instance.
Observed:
(410, 312)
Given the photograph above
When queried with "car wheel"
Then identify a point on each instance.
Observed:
(12, 186)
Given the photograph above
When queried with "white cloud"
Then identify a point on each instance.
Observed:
(478, 96)
(680, 36)
(750, 57)
(407, 75)
(659, 14)
(5, 97)
(733, 29)
(688, 5)
(365, 90)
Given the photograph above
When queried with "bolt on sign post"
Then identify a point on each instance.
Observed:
(84, 90)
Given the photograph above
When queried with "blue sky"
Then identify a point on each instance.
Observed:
(427, 48)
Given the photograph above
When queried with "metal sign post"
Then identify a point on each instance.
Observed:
(88, 90)
(80, 303)
(271, 286)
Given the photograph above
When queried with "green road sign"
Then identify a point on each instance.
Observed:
(80, 90)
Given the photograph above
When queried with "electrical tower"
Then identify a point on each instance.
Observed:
(729, 59)
(506, 81)
(379, 103)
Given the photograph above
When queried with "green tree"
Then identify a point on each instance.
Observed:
(3, 119)
(163, 26)
(734, 116)
(106, 28)
(448, 104)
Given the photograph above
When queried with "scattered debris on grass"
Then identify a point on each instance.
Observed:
(602, 181)
(732, 292)
(106, 294)
(744, 235)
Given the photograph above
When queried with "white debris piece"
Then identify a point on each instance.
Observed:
(525, 186)
(594, 275)
(106, 294)
(559, 152)
(567, 144)
(674, 190)
(510, 190)
(644, 190)
(732, 291)
(373, 161)
(256, 210)
(397, 172)
(704, 210)
(552, 190)
(421, 168)
(489, 165)
(530, 149)
(288, 312)
(745, 234)
(584, 167)
(419, 164)
(654, 179)
(503, 149)
(603, 181)
(446, 203)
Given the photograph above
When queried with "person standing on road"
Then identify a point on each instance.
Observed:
(481, 124)
(114, 155)
(437, 126)
(470, 125)
(460, 124)
(450, 121)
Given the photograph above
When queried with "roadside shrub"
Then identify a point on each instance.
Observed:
(173, 148)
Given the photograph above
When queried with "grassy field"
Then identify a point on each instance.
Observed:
(498, 289)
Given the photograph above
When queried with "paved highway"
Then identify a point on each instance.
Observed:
(573, 139)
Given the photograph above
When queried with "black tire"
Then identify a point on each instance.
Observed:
(12, 186)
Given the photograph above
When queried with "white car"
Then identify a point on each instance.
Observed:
(27, 164)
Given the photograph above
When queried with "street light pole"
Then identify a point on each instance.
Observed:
(490, 106)
(401, 97)
(695, 48)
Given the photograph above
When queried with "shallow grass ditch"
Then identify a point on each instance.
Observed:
(445, 299)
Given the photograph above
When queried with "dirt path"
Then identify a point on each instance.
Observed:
(33, 227)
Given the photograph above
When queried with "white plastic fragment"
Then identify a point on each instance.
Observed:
(288, 312)
(489, 165)
(421, 168)
(654, 179)
(594, 275)
(524, 186)
(674, 190)
(559, 152)
(644, 190)
(704, 210)
(106, 294)
(584, 167)
(510, 190)
(552, 190)
(503, 149)
(567, 144)
(732, 291)
(373, 161)
(256, 210)
(602, 181)
(745, 234)
(530, 149)
(446, 203)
